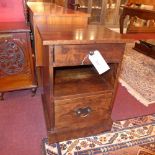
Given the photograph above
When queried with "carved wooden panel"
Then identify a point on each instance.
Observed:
(11, 58)
(16, 61)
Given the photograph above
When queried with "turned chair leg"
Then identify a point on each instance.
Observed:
(1, 96)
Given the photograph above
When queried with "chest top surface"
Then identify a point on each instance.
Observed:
(47, 8)
(73, 34)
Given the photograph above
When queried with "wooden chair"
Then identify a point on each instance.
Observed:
(141, 16)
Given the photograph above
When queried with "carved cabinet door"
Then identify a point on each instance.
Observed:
(16, 62)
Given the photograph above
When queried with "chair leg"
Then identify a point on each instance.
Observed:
(1, 96)
(34, 91)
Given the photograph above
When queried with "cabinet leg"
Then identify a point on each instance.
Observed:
(1, 96)
(34, 91)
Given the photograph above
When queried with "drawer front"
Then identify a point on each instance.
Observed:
(65, 55)
(82, 112)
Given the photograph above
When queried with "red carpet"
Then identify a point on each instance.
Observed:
(126, 106)
(22, 126)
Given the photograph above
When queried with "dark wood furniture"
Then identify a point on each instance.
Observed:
(49, 13)
(146, 47)
(102, 11)
(77, 100)
(140, 12)
(16, 58)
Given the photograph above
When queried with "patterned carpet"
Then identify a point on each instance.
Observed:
(138, 75)
(129, 137)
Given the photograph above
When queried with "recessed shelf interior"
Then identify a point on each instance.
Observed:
(82, 80)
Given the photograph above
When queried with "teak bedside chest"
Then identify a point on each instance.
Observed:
(77, 100)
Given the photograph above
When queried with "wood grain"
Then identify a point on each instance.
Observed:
(74, 54)
(49, 13)
(16, 58)
(78, 102)
(66, 110)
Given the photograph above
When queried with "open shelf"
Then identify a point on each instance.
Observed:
(70, 82)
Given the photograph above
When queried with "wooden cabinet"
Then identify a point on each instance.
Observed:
(16, 58)
(94, 7)
(49, 13)
(104, 12)
(77, 100)
(61, 2)
(141, 16)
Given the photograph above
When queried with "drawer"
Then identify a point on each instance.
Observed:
(68, 55)
(82, 112)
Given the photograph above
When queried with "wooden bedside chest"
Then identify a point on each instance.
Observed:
(77, 100)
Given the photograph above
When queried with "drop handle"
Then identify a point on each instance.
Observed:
(83, 112)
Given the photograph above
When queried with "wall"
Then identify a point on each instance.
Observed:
(11, 10)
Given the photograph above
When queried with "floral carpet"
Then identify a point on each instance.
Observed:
(138, 75)
(129, 137)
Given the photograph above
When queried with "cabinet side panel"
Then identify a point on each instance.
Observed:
(47, 78)
(116, 73)
(32, 59)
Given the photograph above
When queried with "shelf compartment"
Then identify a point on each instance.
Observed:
(80, 81)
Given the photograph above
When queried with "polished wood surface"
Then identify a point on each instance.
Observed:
(79, 112)
(77, 101)
(111, 53)
(86, 77)
(16, 58)
(139, 36)
(49, 13)
(45, 8)
(72, 34)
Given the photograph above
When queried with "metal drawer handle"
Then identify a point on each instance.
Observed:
(83, 112)
(86, 57)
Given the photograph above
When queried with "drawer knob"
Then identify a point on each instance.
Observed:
(83, 112)
(91, 52)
